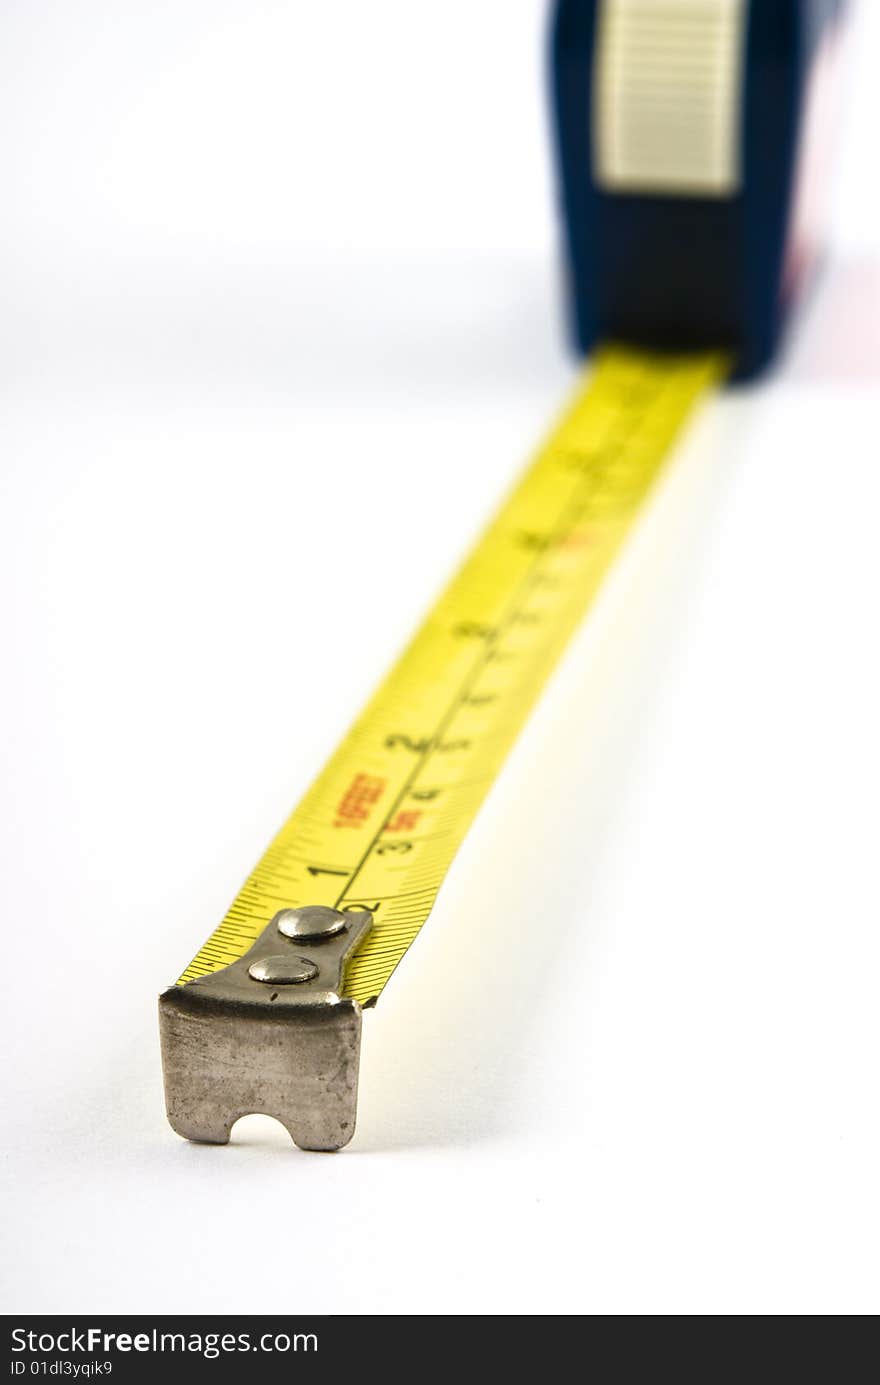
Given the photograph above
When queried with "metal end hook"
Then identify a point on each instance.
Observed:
(269, 1035)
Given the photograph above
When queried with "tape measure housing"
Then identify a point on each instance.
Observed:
(691, 143)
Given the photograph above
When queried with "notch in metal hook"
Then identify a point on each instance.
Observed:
(269, 1034)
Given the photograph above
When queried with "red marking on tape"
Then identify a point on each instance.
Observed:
(357, 802)
(405, 820)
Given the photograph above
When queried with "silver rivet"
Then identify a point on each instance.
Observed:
(311, 923)
(282, 969)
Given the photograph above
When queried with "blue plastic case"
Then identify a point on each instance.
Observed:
(686, 270)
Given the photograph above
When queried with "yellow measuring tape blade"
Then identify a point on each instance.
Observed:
(381, 824)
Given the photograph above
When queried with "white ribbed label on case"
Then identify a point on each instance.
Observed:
(667, 96)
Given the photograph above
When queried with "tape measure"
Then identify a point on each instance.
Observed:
(342, 891)
(378, 829)
(661, 211)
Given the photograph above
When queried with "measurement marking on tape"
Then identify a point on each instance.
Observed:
(381, 824)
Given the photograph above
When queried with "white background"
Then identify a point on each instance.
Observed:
(277, 278)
